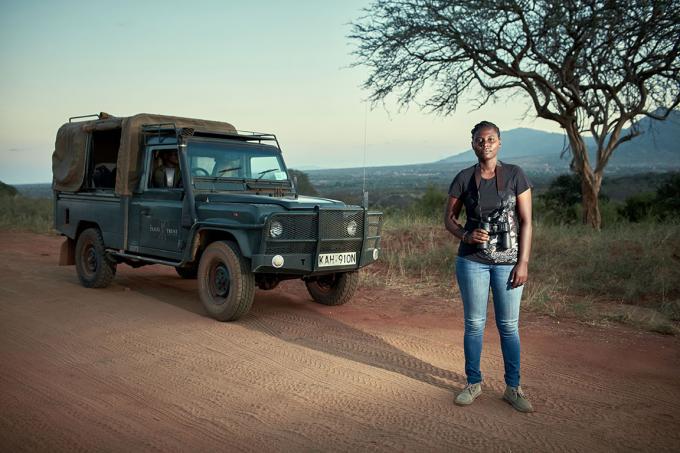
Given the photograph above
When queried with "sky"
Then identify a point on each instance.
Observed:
(266, 66)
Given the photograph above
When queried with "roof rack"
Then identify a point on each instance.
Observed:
(84, 116)
(157, 130)
(162, 130)
(100, 116)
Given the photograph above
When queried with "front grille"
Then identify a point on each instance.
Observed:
(334, 224)
(281, 248)
(297, 226)
(329, 227)
(340, 246)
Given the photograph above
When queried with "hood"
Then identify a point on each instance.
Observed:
(301, 202)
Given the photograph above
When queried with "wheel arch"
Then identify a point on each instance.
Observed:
(206, 236)
(84, 225)
(67, 251)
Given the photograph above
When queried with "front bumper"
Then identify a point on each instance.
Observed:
(306, 235)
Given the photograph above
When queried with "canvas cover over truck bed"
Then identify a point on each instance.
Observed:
(69, 160)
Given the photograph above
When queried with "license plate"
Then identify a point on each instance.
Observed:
(337, 259)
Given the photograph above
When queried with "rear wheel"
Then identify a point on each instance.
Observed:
(225, 283)
(95, 268)
(333, 289)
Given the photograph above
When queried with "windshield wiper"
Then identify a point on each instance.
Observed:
(224, 170)
(264, 172)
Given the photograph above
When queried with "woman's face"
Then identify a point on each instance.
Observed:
(486, 143)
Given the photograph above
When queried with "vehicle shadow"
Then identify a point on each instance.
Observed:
(162, 285)
(297, 321)
(290, 320)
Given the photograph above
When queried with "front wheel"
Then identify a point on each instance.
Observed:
(225, 283)
(333, 289)
(95, 269)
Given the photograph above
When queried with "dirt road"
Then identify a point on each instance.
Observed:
(139, 367)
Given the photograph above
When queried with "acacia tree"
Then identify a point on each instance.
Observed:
(593, 66)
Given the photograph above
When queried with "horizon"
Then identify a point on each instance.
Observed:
(307, 168)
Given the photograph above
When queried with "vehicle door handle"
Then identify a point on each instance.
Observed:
(145, 211)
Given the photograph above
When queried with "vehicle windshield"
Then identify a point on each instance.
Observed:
(236, 160)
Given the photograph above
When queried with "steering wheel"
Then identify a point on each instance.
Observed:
(199, 172)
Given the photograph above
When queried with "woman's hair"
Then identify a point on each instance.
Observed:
(485, 124)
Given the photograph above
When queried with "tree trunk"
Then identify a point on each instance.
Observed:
(590, 181)
(590, 189)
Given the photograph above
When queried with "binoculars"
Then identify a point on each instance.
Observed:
(500, 229)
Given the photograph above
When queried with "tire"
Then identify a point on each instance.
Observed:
(95, 268)
(333, 289)
(188, 272)
(225, 283)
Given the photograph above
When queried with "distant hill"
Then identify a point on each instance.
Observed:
(656, 149)
(35, 190)
(6, 189)
(530, 148)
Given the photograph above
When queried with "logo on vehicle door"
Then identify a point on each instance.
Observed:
(162, 230)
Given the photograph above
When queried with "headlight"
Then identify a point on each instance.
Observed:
(275, 229)
(351, 228)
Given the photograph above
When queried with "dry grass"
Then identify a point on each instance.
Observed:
(628, 273)
(27, 214)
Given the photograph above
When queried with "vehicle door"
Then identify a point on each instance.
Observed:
(157, 210)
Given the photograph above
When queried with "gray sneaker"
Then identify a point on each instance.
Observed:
(516, 397)
(468, 395)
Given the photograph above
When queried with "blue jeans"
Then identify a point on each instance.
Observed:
(474, 280)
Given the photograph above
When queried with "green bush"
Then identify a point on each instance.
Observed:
(662, 205)
(302, 183)
(431, 204)
(638, 207)
(561, 203)
(668, 199)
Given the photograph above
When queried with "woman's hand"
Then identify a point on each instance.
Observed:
(519, 274)
(478, 236)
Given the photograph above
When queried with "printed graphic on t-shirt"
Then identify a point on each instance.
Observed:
(494, 252)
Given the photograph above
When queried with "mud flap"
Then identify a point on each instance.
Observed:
(67, 252)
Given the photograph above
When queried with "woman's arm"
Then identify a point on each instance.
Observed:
(451, 215)
(520, 273)
(453, 208)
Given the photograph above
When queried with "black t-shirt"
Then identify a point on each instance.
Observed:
(488, 201)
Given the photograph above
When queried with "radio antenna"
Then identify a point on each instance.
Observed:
(363, 191)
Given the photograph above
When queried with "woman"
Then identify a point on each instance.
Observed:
(494, 252)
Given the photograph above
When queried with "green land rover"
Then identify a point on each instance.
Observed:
(215, 203)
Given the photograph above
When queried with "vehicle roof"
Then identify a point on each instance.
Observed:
(70, 154)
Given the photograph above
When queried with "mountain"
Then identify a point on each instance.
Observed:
(530, 148)
(537, 152)
(656, 149)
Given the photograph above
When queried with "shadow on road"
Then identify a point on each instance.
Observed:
(293, 320)
(290, 320)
